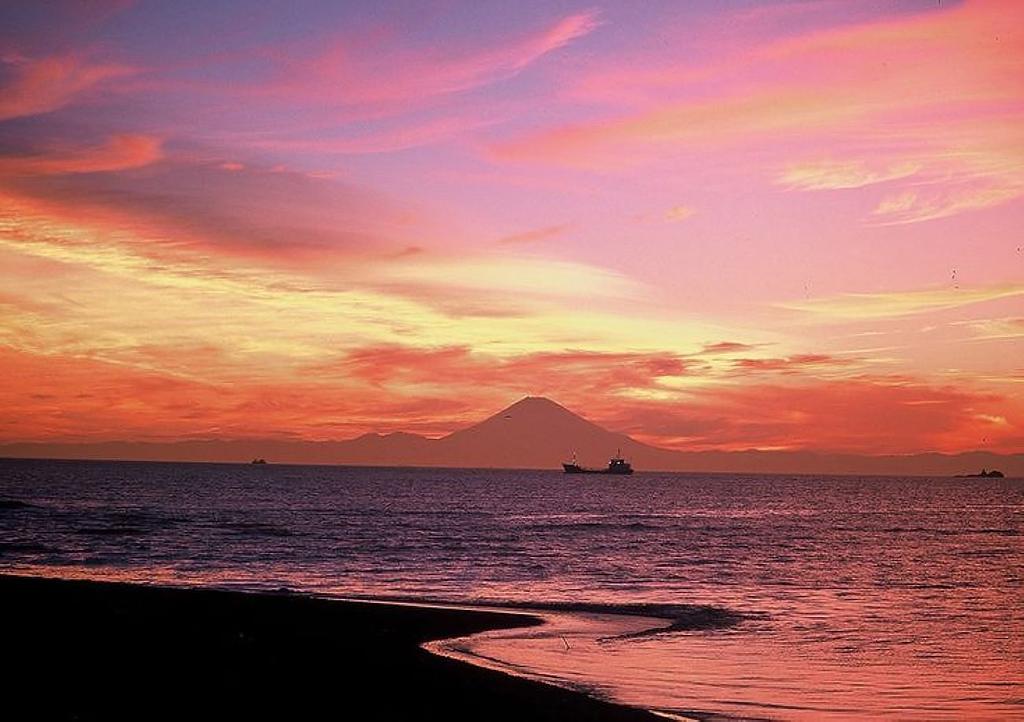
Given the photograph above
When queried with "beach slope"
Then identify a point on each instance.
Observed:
(100, 651)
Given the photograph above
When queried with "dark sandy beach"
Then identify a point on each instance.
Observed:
(97, 651)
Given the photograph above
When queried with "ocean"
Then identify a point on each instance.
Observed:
(696, 595)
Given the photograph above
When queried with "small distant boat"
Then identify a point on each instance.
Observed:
(258, 461)
(616, 465)
(993, 474)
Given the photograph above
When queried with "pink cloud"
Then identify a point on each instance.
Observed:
(354, 93)
(180, 206)
(875, 76)
(121, 152)
(354, 72)
(406, 252)
(410, 134)
(45, 84)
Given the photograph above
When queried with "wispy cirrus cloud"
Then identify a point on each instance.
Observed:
(842, 174)
(917, 204)
(405, 74)
(790, 364)
(995, 329)
(936, 171)
(502, 274)
(373, 75)
(411, 133)
(359, 91)
(881, 90)
(862, 306)
(32, 86)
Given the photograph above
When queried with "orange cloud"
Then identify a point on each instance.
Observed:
(434, 391)
(791, 364)
(47, 397)
(860, 415)
(565, 374)
(726, 347)
(121, 152)
(678, 213)
(536, 234)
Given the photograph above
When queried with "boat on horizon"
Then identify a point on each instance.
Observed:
(985, 474)
(616, 465)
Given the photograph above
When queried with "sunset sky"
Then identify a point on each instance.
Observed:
(731, 225)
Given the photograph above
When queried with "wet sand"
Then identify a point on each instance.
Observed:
(78, 650)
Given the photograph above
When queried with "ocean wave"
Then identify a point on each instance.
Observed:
(256, 528)
(111, 530)
(26, 548)
(11, 504)
(597, 525)
(148, 519)
(122, 523)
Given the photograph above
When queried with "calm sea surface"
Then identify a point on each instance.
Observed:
(829, 597)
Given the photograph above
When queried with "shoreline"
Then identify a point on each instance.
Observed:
(111, 650)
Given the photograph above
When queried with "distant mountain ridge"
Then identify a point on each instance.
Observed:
(534, 432)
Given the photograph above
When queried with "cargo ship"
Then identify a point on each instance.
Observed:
(616, 465)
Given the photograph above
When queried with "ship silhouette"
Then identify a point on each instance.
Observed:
(985, 474)
(616, 465)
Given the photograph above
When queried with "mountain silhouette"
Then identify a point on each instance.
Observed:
(533, 433)
(536, 433)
